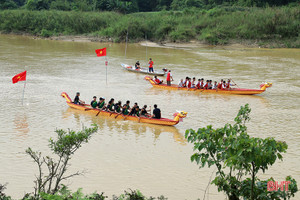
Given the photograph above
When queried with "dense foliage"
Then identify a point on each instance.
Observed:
(238, 158)
(280, 25)
(128, 6)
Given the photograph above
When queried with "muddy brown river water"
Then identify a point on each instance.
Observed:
(124, 154)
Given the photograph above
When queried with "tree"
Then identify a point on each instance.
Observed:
(38, 4)
(66, 144)
(236, 155)
(7, 4)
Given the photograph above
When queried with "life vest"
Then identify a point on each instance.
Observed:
(220, 85)
(206, 85)
(223, 87)
(111, 107)
(228, 85)
(198, 85)
(94, 104)
(125, 111)
(101, 104)
(189, 84)
(157, 81)
(118, 109)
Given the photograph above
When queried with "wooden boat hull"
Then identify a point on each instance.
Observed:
(143, 70)
(238, 91)
(87, 108)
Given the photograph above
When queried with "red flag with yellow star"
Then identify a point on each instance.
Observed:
(101, 52)
(19, 77)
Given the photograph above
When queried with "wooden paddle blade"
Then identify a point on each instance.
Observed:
(98, 113)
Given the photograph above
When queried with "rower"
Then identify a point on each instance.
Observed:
(150, 65)
(137, 65)
(101, 103)
(133, 109)
(94, 102)
(223, 86)
(110, 105)
(157, 80)
(198, 84)
(188, 83)
(117, 107)
(125, 108)
(202, 83)
(193, 83)
(209, 86)
(156, 112)
(206, 85)
(220, 84)
(180, 84)
(229, 84)
(185, 81)
(215, 86)
(144, 111)
(137, 111)
(77, 100)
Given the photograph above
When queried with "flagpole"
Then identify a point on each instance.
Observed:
(23, 92)
(106, 68)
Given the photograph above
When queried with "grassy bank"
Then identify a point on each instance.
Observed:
(271, 27)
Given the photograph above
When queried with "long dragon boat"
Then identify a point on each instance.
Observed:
(144, 70)
(87, 108)
(239, 91)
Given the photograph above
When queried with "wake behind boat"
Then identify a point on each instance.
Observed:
(113, 115)
(144, 70)
(240, 91)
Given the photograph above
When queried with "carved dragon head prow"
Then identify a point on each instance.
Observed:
(264, 86)
(179, 115)
(148, 78)
(66, 96)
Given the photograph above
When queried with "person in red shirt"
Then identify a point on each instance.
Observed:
(157, 80)
(229, 84)
(220, 84)
(198, 84)
(223, 86)
(188, 83)
(169, 78)
(206, 85)
(150, 65)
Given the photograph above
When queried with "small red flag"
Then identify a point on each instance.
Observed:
(101, 52)
(19, 77)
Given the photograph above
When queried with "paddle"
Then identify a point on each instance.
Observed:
(98, 112)
(234, 83)
(88, 109)
(120, 114)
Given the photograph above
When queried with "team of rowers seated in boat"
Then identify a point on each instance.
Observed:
(113, 107)
(191, 83)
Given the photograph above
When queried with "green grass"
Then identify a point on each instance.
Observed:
(278, 25)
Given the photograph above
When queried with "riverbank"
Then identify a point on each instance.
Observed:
(166, 44)
(256, 27)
